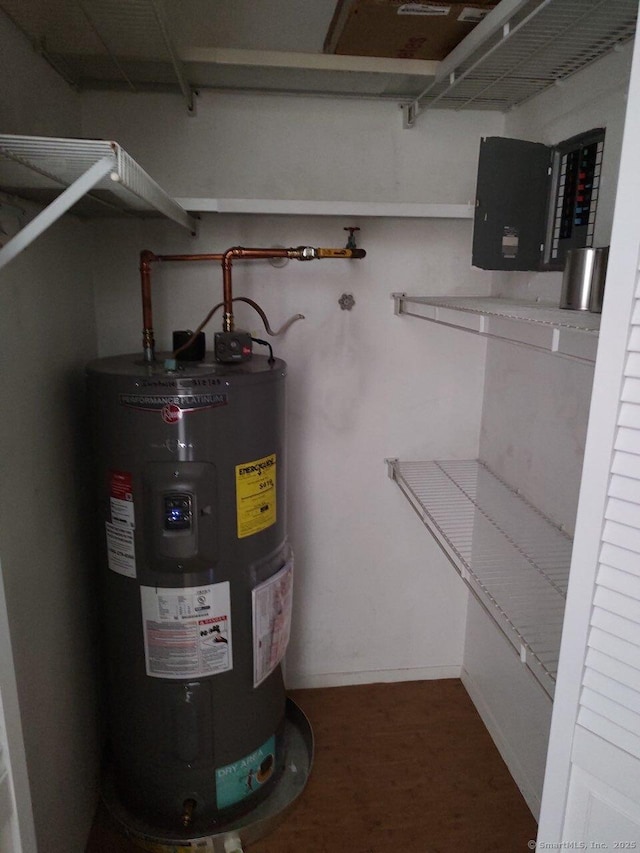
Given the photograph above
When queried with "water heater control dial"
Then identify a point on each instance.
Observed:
(178, 512)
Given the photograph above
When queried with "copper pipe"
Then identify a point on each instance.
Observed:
(227, 295)
(301, 253)
(146, 259)
(214, 257)
(247, 254)
(148, 342)
(259, 254)
(227, 289)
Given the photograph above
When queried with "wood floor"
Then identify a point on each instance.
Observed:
(398, 767)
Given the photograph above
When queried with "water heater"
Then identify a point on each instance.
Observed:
(196, 583)
(197, 578)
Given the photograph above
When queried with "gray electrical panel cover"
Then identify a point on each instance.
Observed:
(512, 200)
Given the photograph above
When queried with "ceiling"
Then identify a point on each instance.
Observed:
(522, 47)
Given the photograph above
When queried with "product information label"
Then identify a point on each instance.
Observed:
(122, 513)
(256, 495)
(423, 9)
(121, 553)
(187, 631)
(473, 16)
(235, 782)
(271, 622)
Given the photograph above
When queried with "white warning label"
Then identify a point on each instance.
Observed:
(122, 512)
(121, 554)
(271, 621)
(187, 630)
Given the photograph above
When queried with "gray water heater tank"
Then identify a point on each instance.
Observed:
(196, 583)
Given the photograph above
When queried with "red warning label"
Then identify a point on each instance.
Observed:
(121, 485)
(121, 499)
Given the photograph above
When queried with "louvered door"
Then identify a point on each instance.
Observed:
(604, 790)
(591, 797)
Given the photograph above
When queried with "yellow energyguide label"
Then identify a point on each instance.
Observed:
(256, 495)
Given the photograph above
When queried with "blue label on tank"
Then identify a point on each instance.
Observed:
(235, 782)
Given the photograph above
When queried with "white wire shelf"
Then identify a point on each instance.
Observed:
(572, 334)
(522, 48)
(315, 207)
(62, 172)
(513, 558)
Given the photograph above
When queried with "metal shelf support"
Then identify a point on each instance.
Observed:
(61, 205)
(96, 168)
(521, 48)
(568, 334)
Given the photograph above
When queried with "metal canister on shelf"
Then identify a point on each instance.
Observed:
(583, 279)
(598, 277)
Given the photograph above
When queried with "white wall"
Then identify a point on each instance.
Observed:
(48, 332)
(534, 425)
(514, 708)
(47, 328)
(252, 146)
(33, 99)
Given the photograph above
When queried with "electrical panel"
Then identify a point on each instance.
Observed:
(534, 202)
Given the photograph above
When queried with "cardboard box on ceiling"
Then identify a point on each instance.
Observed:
(400, 29)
